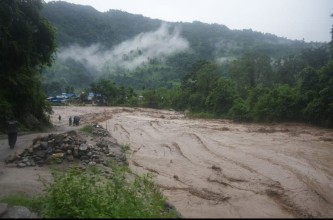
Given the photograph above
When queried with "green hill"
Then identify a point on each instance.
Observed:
(140, 52)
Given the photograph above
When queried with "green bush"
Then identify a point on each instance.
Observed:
(87, 129)
(86, 194)
(279, 104)
(239, 111)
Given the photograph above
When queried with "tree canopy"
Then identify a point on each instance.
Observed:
(27, 44)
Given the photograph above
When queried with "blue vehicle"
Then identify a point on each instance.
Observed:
(56, 100)
(63, 98)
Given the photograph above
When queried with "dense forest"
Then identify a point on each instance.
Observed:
(132, 60)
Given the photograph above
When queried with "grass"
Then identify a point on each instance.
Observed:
(124, 150)
(21, 200)
(87, 129)
(202, 115)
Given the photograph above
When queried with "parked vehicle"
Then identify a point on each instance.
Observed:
(56, 99)
(63, 98)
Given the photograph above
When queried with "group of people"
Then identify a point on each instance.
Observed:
(74, 120)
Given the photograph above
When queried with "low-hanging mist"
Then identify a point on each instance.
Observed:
(163, 42)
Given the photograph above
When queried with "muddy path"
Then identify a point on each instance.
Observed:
(217, 168)
(15, 180)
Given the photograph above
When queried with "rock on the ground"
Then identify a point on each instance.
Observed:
(64, 147)
(19, 212)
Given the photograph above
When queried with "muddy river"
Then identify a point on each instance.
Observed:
(218, 168)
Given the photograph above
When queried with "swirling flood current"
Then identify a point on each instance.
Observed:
(219, 168)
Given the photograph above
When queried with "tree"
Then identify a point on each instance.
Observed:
(319, 98)
(288, 69)
(250, 70)
(107, 90)
(331, 43)
(279, 104)
(26, 46)
(315, 57)
(221, 97)
(197, 85)
(151, 99)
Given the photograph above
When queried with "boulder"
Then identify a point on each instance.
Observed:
(17, 212)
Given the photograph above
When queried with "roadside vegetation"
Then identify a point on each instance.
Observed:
(96, 191)
(88, 193)
(87, 128)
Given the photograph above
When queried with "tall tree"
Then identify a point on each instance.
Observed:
(251, 70)
(198, 83)
(331, 43)
(26, 45)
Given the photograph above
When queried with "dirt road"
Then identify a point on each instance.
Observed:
(217, 168)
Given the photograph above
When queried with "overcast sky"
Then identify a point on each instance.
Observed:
(294, 19)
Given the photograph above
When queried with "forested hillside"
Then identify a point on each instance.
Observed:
(85, 35)
(85, 26)
(208, 69)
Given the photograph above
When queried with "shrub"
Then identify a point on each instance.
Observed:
(86, 194)
(239, 111)
(279, 104)
(87, 129)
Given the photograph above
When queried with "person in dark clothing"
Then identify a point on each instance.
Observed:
(76, 120)
(12, 132)
(59, 118)
(70, 120)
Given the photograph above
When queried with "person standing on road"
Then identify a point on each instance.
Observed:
(12, 132)
(76, 120)
(70, 120)
(59, 118)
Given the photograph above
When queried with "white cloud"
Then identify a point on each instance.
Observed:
(129, 54)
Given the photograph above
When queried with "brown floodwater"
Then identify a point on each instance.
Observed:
(219, 168)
